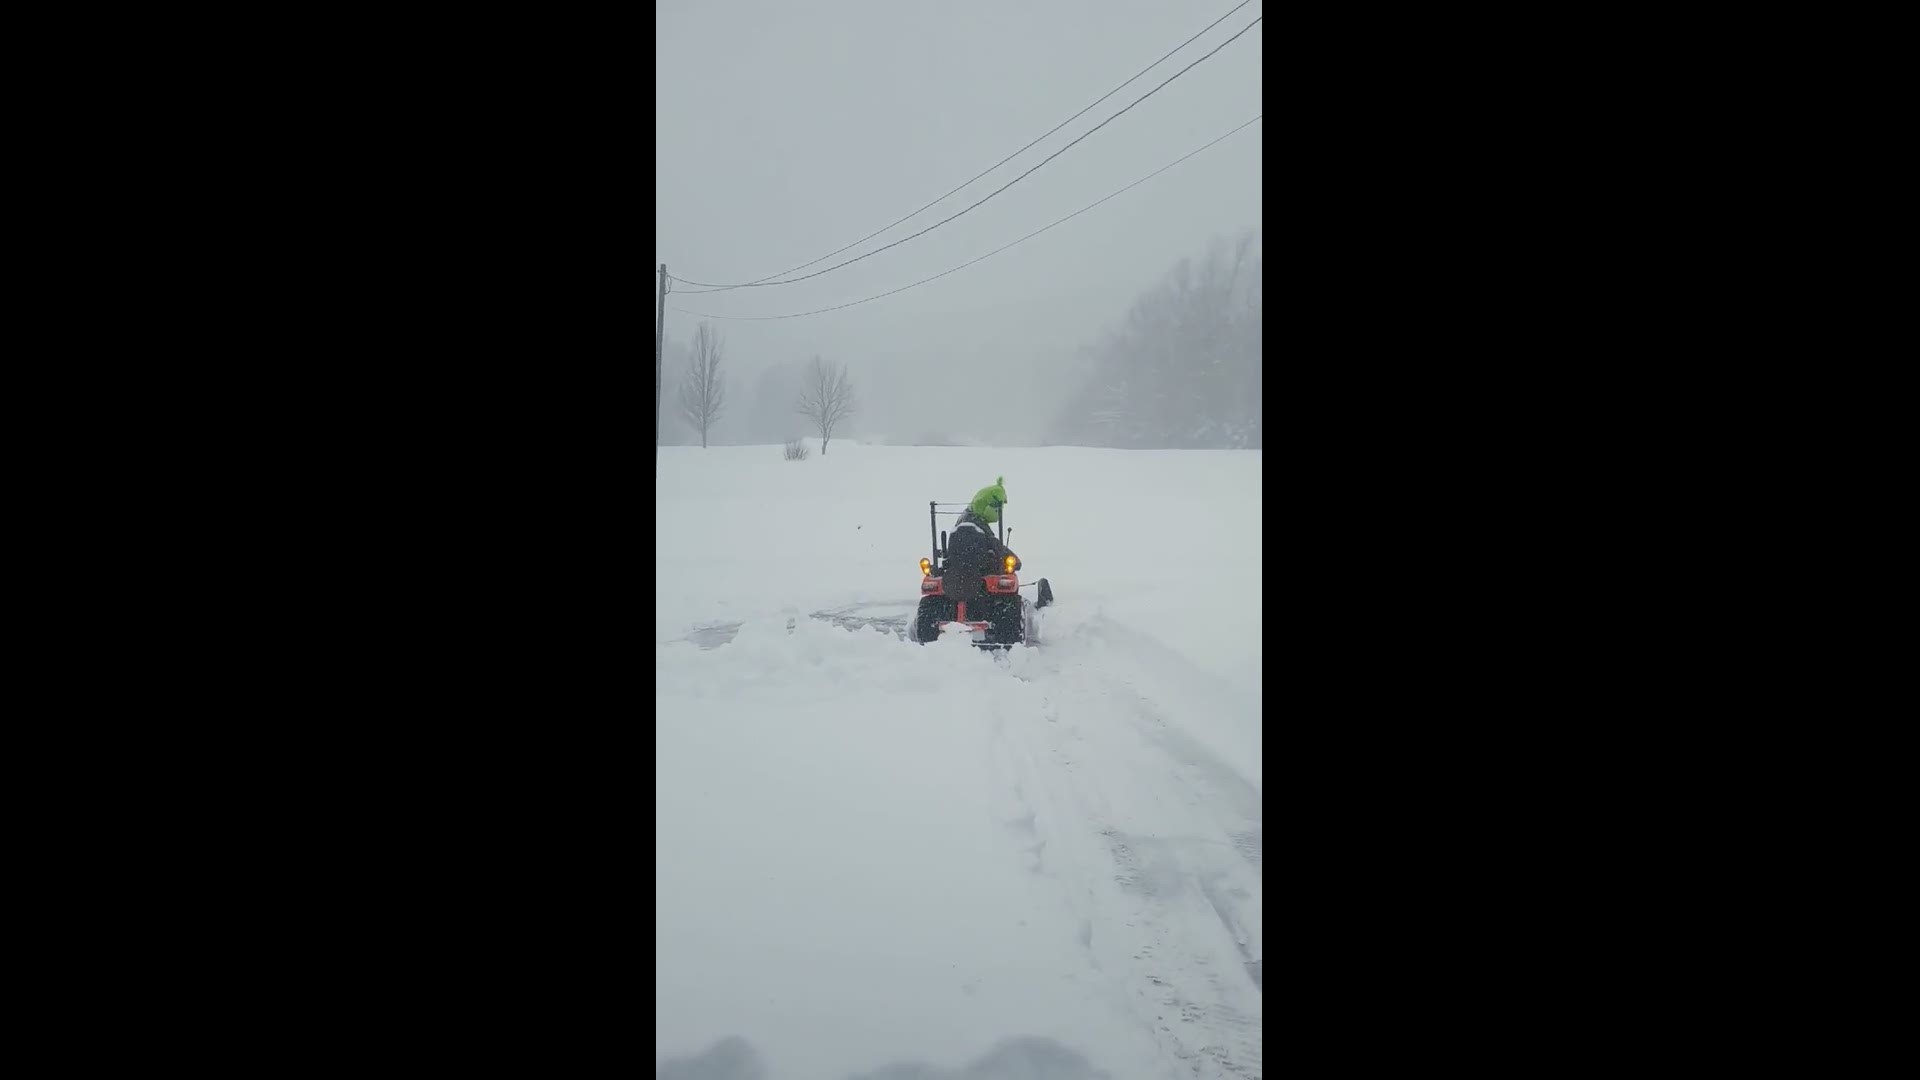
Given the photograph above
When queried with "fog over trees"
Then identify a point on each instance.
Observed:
(1180, 368)
(1037, 236)
(1182, 371)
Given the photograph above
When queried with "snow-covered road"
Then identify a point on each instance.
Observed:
(872, 852)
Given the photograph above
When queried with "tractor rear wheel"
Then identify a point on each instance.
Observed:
(933, 611)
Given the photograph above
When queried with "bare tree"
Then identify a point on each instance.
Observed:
(826, 398)
(703, 393)
(1184, 368)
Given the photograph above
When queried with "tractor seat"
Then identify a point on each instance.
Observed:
(964, 585)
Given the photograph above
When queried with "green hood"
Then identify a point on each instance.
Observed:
(987, 501)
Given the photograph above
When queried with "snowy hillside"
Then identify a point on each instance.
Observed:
(873, 853)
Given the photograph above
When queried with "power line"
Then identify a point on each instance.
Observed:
(1003, 187)
(1008, 184)
(997, 164)
(990, 254)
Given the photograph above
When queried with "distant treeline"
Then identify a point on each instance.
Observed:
(1183, 370)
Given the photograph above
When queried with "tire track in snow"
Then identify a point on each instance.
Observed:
(1153, 844)
(1144, 665)
(889, 616)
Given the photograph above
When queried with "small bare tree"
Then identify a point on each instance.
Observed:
(826, 398)
(703, 393)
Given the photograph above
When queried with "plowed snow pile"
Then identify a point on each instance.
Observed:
(874, 853)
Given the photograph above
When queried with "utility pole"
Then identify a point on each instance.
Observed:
(659, 337)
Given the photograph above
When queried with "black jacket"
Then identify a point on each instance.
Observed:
(973, 552)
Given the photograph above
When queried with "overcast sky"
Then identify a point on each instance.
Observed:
(786, 130)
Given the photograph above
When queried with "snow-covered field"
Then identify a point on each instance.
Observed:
(872, 852)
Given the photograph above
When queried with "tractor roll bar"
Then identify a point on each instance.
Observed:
(933, 529)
